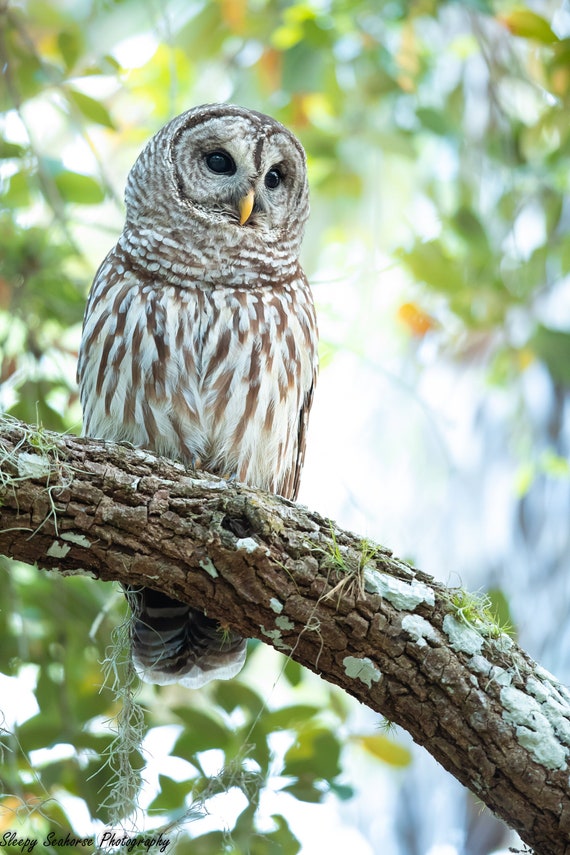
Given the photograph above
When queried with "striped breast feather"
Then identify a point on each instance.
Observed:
(221, 376)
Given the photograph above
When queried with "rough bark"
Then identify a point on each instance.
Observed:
(385, 632)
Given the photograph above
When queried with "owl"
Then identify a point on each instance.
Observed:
(200, 339)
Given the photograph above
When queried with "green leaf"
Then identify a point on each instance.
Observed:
(230, 694)
(8, 149)
(429, 263)
(560, 54)
(206, 844)
(293, 671)
(32, 407)
(304, 68)
(287, 718)
(48, 692)
(18, 193)
(78, 188)
(284, 837)
(433, 120)
(553, 347)
(528, 25)
(202, 733)
(246, 839)
(315, 754)
(344, 792)
(552, 203)
(90, 108)
(41, 731)
(470, 228)
(70, 43)
(172, 795)
(385, 749)
(305, 791)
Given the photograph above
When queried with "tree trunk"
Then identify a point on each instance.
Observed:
(425, 656)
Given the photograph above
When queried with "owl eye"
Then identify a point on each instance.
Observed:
(273, 178)
(221, 163)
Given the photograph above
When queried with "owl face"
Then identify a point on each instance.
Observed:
(244, 169)
(229, 168)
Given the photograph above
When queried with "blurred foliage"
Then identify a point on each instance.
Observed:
(447, 121)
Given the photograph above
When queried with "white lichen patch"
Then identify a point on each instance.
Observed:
(148, 457)
(276, 605)
(207, 565)
(494, 673)
(553, 707)
(532, 727)
(78, 539)
(276, 638)
(284, 623)
(504, 643)
(58, 550)
(248, 544)
(420, 630)
(361, 669)
(206, 485)
(547, 677)
(481, 665)
(403, 595)
(502, 676)
(33, 466)
(462, 637)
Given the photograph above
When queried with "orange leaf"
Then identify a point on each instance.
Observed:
(415, 319)
(233, 14)
(270, 64)
(12, 807)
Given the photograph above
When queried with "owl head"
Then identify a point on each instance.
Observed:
(219, 167)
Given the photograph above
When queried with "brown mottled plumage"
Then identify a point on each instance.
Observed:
(199, 339)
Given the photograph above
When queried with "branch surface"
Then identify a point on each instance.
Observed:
(350, 611)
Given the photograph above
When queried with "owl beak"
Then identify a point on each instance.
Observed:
(246, 207)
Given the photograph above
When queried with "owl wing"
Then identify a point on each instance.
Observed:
(291, 482)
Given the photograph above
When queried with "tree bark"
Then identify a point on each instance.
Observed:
(423, 655)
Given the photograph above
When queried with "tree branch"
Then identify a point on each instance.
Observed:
(423, 655)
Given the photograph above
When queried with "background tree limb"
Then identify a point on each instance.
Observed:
(425, 656)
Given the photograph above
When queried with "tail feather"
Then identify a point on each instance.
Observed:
(174, 643)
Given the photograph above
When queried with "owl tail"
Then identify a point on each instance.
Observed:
(174, 643)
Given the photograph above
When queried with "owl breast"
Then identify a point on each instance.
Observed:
(215, 377)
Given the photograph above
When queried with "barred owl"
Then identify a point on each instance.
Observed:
(199, 338)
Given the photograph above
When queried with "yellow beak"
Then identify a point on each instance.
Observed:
(246, 207)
